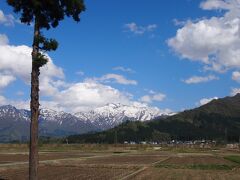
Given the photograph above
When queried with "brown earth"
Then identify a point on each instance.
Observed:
(48, 172)
(10, 158)
(124, 159)
(185, 174)
(107, 165)
(196, 160)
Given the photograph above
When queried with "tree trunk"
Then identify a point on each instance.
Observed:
(34, 105)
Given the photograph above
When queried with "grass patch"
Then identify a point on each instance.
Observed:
(185, 150)
(119, 152)
(233, 158)
(211, 166)
(171, 166)
(197, 166)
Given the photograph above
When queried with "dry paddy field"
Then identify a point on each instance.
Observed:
(122, 163)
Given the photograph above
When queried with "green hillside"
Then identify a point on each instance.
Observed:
(217, 120)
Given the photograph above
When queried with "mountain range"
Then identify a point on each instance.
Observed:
(14, 123)
(217, 120)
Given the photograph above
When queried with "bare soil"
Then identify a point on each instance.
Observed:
(10, 158)
(106, 165)
(203, 160)
(186, 174)
(124, 159)
(48, 172)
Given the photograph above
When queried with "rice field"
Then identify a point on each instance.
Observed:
(121, 162)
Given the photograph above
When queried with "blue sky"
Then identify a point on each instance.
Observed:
(170, 54)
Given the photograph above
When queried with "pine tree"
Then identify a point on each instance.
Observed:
(44, 14)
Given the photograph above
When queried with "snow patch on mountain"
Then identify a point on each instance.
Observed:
(113, 114)
(100, 118)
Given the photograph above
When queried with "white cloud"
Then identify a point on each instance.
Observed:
(146, 99)
(88, 95)
(71, 97)
(2, 100)
(215, 42)
(236, 76)
(20, 104)
(139, 30)
(16, 61)
(7, 20)
(113, 78)
(153, 96)
(179, 22)
(81, 103)
(158, 97)
(235, 91)
(3, 39)
(80, 97)
(151, 92)
(80, 73)
(200, 79)
(20, 93)
(25, 104)
(218, 4)
(47, 87)
(120, 68)
(5, 80)
(206, 100)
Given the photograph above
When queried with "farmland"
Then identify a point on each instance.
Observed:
(121, 162)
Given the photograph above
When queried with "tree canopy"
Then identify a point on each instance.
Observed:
(48, 13)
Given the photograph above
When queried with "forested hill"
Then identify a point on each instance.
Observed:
(218, 120)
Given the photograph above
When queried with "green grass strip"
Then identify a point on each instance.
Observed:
(210, 166)
(235, 159)
(197, 166)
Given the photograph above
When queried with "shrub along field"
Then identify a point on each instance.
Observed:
(84, 161)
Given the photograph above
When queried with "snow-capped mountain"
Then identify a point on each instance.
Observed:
(9, 111)
(15, 123)
(113, 114)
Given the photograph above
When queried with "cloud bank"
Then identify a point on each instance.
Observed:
(56, 93)
(206, 100)
(139, 30)
(6, 20)
(214, 41)
(199, 79)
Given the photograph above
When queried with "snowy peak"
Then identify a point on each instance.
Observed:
(136, 112)
(15, 122)
(52, 115)
(111, 115)
(13, 113)
(7, 109)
